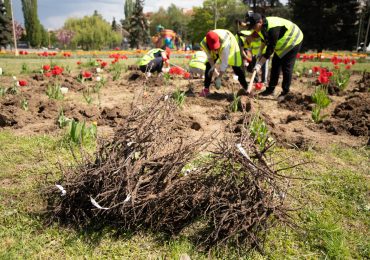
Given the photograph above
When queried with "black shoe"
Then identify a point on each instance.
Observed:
(282, 96)
(267, 92)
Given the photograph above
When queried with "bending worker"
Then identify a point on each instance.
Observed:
(252, 48)
(221, 45)
(284, 39)
(197, 64)
(154, 60)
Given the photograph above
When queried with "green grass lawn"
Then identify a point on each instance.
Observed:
(333, 218)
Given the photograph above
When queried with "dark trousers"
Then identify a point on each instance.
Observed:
(285, 64)
(153, 66)
(237, 70)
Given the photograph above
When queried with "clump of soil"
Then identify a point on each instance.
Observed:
(296, 102)
(351, 116)
(363, 84)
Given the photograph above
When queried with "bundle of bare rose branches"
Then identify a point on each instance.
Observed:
(152, 176)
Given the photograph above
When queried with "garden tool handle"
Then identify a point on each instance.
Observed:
(252, 80)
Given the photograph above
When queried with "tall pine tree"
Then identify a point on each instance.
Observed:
(327, 24)
(34, 29)
(128, 10)
(138, 26)
(5, 25)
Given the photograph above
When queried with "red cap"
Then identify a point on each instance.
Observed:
(213, 41)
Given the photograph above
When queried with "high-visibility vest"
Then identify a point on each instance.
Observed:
(292, 37)
(226, 37)
(255, 47)
(241, 38)
(148, 57)
(199, 60)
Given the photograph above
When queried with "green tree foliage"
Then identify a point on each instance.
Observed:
(223, 13)
(138, 26)
(329, 24)
(173, 18)
(8, 8)
(128, 10)
(91, 32)
(32, 23)
(5, 26)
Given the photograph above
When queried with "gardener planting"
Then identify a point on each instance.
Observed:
(221, 45)
(252, 48)
(197, 64)
(155, 60)
(283, 39)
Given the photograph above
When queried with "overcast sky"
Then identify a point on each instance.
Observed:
(53, 13)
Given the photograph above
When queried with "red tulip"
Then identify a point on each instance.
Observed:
(315, 69)
(103, 64)
(258, 86)
(353, 62)
(86, 74)
(78, 62)
(323, 79)
(46, 67)
(47, 74)
(298, 55)
(348, 67)
(336, 67)
(186, 75)
(22, 83)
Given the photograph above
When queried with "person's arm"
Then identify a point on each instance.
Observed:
(165, 59)
(273, 35)
(224, 59)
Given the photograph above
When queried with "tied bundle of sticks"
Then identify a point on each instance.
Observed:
(151, 176)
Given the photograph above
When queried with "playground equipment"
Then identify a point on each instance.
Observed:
(165, 38)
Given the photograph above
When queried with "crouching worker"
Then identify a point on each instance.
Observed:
(197, 64)
(154, 60)
(221, 45)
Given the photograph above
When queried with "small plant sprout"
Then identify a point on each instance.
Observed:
(321, 100)
(24, 68)
(235, 103)
(3, 91)
(99, 83)
(79, 133)
(179, 97)
(115, 70)
(62, 120)
(87, 96)
(54, 92)
(24, 104)
(259, 132)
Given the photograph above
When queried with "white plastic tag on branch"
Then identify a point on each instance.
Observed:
(96, 204)
(127, 198)
(243, 152)
(60, 187)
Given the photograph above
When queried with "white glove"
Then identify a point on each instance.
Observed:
(257, 67)
(245, 63)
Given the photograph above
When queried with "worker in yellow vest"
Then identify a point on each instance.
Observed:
(252, 48)
(283, 39)
(221, 45)
(197, 64)
(154, 60)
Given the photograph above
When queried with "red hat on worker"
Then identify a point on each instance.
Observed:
(213, 41)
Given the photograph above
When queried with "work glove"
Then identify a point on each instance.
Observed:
(245, 63)
(218, 82)
(257, 67)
